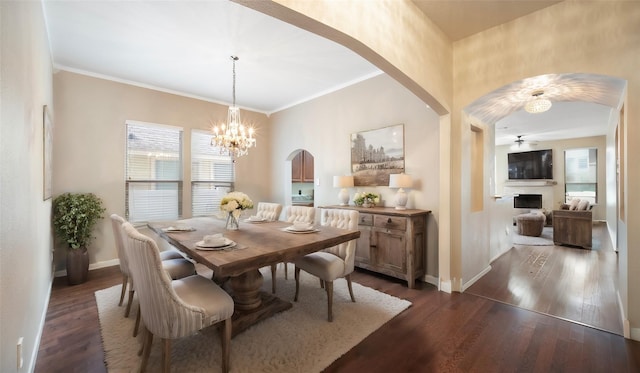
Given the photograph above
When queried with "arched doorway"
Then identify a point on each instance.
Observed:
(302, 179)
(576, 98)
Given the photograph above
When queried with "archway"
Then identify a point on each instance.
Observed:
(572, 94)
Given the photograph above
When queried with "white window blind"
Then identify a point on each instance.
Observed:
(153, 172)
(212, 175)
(581, 174)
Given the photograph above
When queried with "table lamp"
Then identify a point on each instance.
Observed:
(343, 182)
(400, 181)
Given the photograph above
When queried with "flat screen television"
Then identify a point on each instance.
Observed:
(537, 164)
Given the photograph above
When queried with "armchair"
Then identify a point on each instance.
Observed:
(293, 214)
(174, 309)
(334, 262)
(573, 224)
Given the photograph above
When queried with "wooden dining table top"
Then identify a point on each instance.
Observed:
(257, 244)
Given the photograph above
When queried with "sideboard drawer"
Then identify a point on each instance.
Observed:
(366, 219)
(390, 222)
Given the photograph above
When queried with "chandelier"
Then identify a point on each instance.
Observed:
(537, 104)
(233, 137)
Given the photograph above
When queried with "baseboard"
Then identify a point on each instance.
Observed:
(43, 318)
(477, 277)
(626, 327)
(445, 286)
(430, 280)
(106, 263)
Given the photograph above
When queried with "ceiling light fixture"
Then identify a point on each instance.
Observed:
(233, 137)
(537, 104)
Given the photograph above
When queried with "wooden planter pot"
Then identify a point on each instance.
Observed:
(77, 266)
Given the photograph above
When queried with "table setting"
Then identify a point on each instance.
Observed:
(215, 242)
(300, 227)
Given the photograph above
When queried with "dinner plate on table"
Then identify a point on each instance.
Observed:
(293, 229)
(178, 229)
(227, 244)
(256, 220)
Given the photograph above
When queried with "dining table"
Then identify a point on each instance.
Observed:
(255, 244)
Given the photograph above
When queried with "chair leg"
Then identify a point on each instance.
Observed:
(273, 278)
(137, 324)
(144, 338)
(329, 289)
(128, 309)
(348, 277)
(321, 283)
(225, 339)
(297, 276)
(286, 272)
(166, 355)
(146, 351)
(125, 280)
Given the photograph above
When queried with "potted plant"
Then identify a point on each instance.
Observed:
(366, 199)
(74, 218)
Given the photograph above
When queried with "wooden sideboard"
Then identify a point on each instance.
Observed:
(392, 242)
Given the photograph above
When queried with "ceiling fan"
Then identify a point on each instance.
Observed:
(520, 144)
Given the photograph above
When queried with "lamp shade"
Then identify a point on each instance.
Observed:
(400, 181)
(343, 181)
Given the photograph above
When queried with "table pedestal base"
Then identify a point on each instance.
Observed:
(251, 305)
(269, 306)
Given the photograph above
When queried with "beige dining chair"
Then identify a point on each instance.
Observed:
(334, 262)
(292, 214)
(174, 309)
(269, 211)
(176, 265)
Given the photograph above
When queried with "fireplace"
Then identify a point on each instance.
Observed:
(527, 201)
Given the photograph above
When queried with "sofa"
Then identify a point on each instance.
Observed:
(573, 223)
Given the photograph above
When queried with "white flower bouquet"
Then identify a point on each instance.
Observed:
(235, 202)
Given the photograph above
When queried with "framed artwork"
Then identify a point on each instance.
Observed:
(47, 165)
(376, 154)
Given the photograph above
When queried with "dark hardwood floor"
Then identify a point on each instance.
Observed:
(567, 282)
(440, 332)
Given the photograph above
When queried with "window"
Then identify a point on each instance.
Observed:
(212, 174)
(153, 172)
(581, 174)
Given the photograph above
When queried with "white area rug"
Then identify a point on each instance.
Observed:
(297, 340)
(545, 239)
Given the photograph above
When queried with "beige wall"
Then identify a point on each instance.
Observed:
(25, 233)
(90, 144)
(324, 126)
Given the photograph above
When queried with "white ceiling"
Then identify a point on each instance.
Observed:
(184, 47)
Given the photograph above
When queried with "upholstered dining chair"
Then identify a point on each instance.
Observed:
(292, 214)
(334, 262)
(172, 261)
(269, 211)
(174, 309)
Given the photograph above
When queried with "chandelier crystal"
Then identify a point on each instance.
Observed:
(233, 137)
(537, 104)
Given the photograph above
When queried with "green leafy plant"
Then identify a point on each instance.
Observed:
(361, 198)
(74, 217)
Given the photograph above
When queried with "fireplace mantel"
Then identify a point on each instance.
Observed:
(543, 187)
(529, 183)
